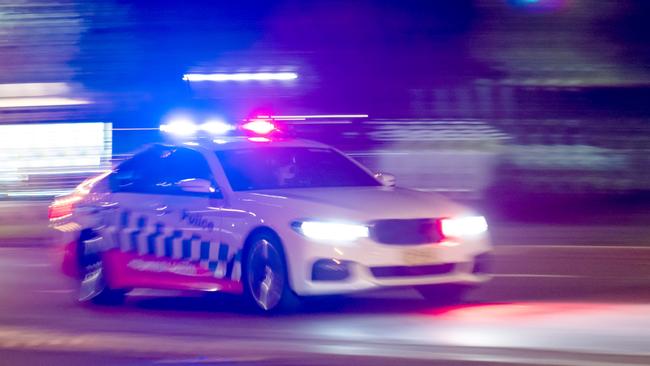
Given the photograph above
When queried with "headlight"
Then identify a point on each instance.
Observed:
(331, 231)
(463, 226)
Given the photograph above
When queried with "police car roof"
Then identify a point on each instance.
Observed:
(228, 143)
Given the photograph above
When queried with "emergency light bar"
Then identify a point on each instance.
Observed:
(259, 126)
(185, 127)
(263, 125)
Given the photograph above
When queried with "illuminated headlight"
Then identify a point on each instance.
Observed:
(463, 226)
(331, 231)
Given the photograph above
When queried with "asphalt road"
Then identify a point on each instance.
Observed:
(534, 318)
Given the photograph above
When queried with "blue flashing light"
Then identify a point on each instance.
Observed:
(216, 127)
(180, 127)
(185, 127)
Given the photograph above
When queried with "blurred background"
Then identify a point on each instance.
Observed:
(538, 95)
(504, 103)
(537, 112)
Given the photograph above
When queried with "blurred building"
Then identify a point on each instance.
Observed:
(52, 129)
(544, 95)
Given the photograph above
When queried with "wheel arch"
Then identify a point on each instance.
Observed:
(86, 233)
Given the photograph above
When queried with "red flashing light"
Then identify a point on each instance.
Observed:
(259, 126)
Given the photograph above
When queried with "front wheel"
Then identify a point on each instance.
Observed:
(266, 283)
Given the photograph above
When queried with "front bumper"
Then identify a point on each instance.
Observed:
(321, 269)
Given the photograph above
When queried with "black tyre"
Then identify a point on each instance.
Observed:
(444, 294)
(265, 276)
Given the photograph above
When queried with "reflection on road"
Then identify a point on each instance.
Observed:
(38, 312)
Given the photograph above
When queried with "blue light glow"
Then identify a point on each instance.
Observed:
(216, 127)
(185, 126)
(180, 127)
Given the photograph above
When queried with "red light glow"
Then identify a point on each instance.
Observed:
(259, 139)
(62, 207)
(259, 126)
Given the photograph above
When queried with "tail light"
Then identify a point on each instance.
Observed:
(463, 226)
(62, 207)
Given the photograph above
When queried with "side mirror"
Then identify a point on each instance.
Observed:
(387, 179)
(195, 185)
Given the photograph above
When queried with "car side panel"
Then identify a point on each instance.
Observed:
(129, 270)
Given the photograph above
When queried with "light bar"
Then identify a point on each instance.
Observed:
(184, 126)
(259, 126)
(180, 127)
(259, 139)
(307, 116)
(216, 127)
(243, 76)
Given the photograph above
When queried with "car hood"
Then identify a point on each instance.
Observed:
(358, 203)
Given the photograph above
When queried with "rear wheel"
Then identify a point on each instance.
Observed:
(450, 294)
(92, 282)
(266, 283)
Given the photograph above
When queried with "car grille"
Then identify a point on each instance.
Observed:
(404, 271)
(406, 232)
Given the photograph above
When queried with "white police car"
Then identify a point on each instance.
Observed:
(271, 219)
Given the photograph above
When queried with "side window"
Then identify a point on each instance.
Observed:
(183, 164)
(137, 174)
(159, 171)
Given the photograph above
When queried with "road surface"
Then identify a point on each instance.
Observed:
(537, 319)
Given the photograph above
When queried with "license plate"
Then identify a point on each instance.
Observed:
(415, 256)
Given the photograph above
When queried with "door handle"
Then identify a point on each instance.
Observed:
(104, 207)
(162, 210)
(108, 206)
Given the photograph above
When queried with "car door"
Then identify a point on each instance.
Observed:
(159, 227)
(132, 211)
(192, 219)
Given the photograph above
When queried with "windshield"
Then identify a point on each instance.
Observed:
(291, 167)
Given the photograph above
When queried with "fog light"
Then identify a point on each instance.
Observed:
(482, 263)
(330, 270)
